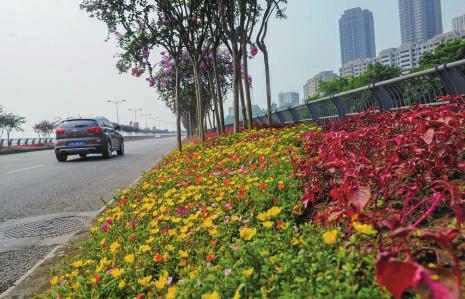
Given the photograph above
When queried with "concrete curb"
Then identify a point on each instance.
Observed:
(75, 237)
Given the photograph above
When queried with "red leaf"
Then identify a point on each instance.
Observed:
(459, 210)
(428, 136)
(396, 276)
(360, 196)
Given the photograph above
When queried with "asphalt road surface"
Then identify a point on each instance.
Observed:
(43, 202)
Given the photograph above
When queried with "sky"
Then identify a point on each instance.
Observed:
(55, 62)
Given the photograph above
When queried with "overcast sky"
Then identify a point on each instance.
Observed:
(54, 60)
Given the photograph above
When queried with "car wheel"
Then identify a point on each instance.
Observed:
(61, 158)
(120, 151)
(83, 155)
(108, 153)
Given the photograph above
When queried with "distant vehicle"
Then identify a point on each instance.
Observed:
(83, 136)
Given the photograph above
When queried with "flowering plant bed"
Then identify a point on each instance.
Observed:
(400, 177)
(218, 221)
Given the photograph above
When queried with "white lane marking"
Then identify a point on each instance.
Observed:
(24, 169)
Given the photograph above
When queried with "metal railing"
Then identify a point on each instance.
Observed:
(50, 141)
(423, 87)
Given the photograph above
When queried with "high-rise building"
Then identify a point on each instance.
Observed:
(458, 23)
(357, 34)
(420, 20)
(287, 99)
(311, 88)
(408, 55)
(355, 67)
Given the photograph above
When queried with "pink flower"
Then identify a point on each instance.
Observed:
(133, 223)
(254, 51)
(109, 221)
(104, 228)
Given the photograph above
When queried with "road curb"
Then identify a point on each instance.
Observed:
(48, 260)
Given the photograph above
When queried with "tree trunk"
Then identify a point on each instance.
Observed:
(215, 103)
(219, 93)
(236, 81)
(178, 112)
(243, 109)
(247, 85)
(268, 83)
(198, 89)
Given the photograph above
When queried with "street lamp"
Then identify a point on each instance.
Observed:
(146, 115)
(117, 110)
(135, 113)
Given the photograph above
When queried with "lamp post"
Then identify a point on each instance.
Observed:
(135, 113)
(117, 110)
(146, 115)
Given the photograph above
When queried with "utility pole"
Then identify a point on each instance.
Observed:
(117, 110)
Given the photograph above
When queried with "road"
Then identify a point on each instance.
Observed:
(42, 201)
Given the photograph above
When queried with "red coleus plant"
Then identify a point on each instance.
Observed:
(401, 170)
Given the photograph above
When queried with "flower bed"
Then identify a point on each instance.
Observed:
(400, 177)
(220, 221)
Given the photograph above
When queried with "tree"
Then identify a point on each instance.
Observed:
(271, 6)
(445, 53)
(13, 122)
(376, 73)
(2, 121)
(44, 128)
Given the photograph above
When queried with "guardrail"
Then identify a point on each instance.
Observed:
(417, 88)
(49, 141)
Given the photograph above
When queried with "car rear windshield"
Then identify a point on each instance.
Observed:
(78, 123)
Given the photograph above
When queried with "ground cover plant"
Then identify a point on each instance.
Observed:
(224, 220)
(398, 176)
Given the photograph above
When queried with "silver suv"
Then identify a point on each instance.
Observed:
(83, 136)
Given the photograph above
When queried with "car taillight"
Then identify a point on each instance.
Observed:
(59, 131)
(94, 130)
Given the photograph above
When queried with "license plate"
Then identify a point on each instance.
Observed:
(76, 143)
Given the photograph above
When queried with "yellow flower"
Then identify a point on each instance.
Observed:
(248, 233)
(208, 223)
(116, 273)
(161, 282)
(234, 218)
(75, 285)
(183, 253)
(129, 258)
(145, 281)
(171, 293)
(262, 216)
(54, 281)
(366, 229)
(213, 295)
(274, 212)
(170, 247)
(77, 264)
(145, 248)
(121, 284)
(268, 224)
(248, 272)
(114, 247)
(330, 237)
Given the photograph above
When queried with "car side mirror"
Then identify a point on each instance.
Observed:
(118, 127)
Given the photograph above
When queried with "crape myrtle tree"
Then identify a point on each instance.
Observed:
(190, 18)
(44, 128)
(139, 28)
(165, 80)
(270, 7)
